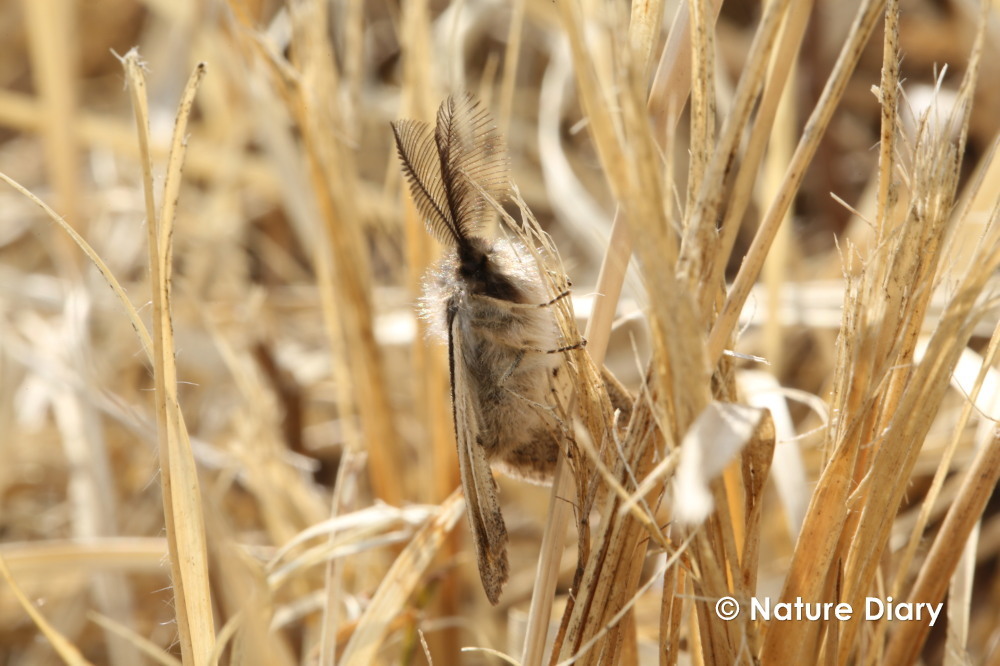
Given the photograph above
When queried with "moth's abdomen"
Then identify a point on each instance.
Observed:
(512, 383)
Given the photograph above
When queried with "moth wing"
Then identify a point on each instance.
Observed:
(488, 529)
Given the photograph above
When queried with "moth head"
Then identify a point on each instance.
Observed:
(484, 272)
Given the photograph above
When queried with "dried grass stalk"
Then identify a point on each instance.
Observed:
(65, 649)
(182, 505)
(399, 582)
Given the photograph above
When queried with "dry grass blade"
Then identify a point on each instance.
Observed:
(713, 440)
(64, 648)
(547, 571)
(178, 474)
(670, 87)
(50, 25)
(723, 327)
(757, 458)
(702, 100)
(906, 559)
(137, 325)
(699, 242)
(611, 572)
(611, 624)
(766, 116)
(97, 131)
(150, 649)
(348, 279)
(933, 179)
(888, 96)
(399, 582)
(603, 127)
(895, 318)
(122, 553)
(978, 486)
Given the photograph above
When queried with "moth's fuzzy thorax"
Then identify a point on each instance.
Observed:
(506, 260)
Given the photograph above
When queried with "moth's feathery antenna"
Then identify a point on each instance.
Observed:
(444, 168)
(422, 168)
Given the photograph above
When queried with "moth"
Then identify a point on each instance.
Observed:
(487, 299)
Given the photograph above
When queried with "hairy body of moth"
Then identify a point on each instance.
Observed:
(507, 334)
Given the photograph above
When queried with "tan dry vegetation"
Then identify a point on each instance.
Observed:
(243, 453)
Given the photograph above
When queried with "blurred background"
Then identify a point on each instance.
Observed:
(297, 265)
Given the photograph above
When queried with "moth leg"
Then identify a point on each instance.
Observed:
(524, 350)
(559, 350)
(555, 300)
(551, 411)
(491, 333)
(513, 366)
(579, 345)
(526, 306)
(533, 403)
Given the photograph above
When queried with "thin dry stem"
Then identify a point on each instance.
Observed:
(70, 654)
(818, 121)
(178, 474)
